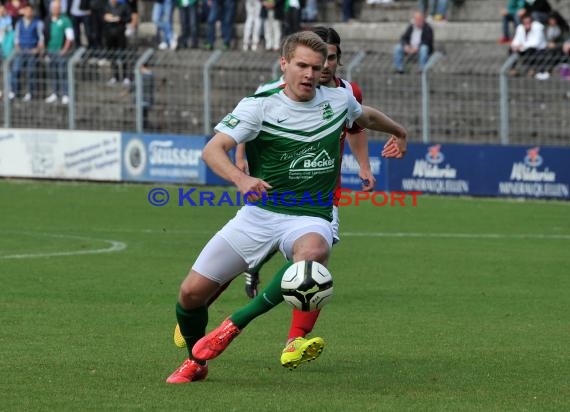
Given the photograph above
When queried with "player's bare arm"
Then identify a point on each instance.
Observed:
(358, 143)
(374, 119)
(215, 155)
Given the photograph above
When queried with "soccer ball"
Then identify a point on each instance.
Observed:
(307, 285)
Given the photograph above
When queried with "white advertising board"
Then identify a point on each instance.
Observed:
(60, 154)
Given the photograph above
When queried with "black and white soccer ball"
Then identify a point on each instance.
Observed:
(307, 285)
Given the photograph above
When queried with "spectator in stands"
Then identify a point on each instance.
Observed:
(96, 30)
(310, 12)
(273, 12)
(15, 9)
(348, 10)
(133, 26)
(252, 26)
(538, 9)
(29, 43)
(58, 37)
(80, 15)
(188, 12)
(6, 33)
(529, 42)
(435, 8)
(556, 33)
(117, 16)
(417, 40)
(225, 11)
(511, 14)
(162, 11)
(292, 16)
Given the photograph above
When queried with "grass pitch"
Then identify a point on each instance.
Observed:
(456, 304)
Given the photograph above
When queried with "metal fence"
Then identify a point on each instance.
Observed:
(467, 95)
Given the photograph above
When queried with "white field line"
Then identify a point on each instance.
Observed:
(114, 246)
(534, 236)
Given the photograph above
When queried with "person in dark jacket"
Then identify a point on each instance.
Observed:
(416, 40)
(538, 9)
(117, 16)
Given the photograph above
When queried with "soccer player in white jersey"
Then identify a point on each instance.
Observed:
(292, 137)
(298, 349)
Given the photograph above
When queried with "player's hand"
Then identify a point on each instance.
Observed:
(395, 148)
(256, 187)
(368, 180)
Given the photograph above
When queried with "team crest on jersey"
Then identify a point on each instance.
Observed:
(326, 110)
(231, 121)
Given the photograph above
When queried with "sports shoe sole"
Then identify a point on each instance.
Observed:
(179, 340)
(310, 351)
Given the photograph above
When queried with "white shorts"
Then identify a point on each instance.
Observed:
(254, 233)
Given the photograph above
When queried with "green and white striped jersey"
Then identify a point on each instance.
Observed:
(294, 146)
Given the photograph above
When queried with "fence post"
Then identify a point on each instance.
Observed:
(139, 98)
(504, 97)
(354, 63)
(434, 58)
(71, 86)
(7, 88)
(214, 57)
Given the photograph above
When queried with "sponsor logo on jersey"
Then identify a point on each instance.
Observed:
(310, 164)
(231, 121)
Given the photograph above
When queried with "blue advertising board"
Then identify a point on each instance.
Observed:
(163, 158)
(483, 170)
(528, 171)
(438, 169)
(451, 169)
(350, 168)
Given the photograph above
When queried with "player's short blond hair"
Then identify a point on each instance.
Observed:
(303, 38)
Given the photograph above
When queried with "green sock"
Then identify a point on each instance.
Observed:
(192, 324)
(269, 298)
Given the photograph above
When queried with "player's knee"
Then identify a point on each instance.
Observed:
(311, 247)
(190, 298)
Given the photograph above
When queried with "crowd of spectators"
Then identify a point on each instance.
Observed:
(541, 38)
(47, 31)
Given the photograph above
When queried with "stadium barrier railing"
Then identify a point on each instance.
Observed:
(465, 99)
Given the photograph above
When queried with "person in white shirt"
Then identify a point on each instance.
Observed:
(529, 42)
